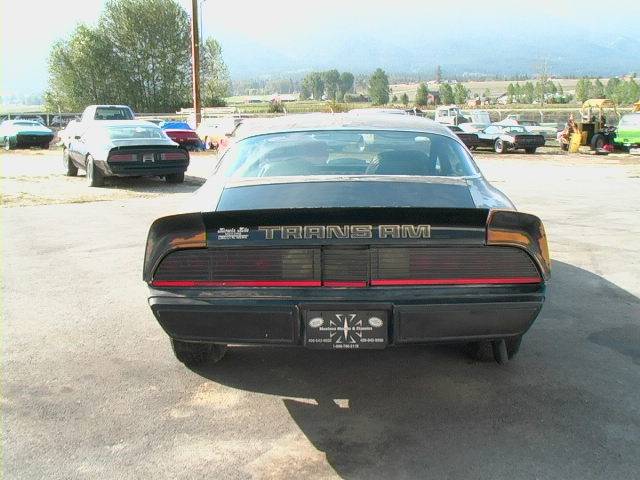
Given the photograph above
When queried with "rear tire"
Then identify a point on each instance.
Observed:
(486, 350)
(499, 146)
(45, 146)
(69, 167)
(597, 142)
(175, 177)
(95, 178)
(530, 150)
(194, 354)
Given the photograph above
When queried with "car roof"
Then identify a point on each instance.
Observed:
(340, 121)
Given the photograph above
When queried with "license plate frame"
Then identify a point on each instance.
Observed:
(346, 329)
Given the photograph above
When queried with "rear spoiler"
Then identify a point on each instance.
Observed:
(496, 227)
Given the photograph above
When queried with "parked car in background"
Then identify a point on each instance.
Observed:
(24, 133)
(502, 138)
(125, 149)
(476, 121)
(469, 139)
(92, 114)
(450, 115)
(182, 134)
(215, 132)
(549, 132)
(628, 133)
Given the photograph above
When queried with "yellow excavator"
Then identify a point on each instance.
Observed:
(593, 126)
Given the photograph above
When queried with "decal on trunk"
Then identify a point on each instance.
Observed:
(311, 232)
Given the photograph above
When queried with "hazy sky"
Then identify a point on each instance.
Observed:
(29, 27)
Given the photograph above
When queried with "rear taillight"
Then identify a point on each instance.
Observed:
(509, 228)
(123, 157)
(173, 156)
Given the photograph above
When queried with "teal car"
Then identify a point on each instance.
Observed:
(628, 132)
(24, 133)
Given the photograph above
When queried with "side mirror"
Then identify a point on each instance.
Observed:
(77, 137)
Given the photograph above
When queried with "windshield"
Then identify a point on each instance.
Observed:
(515, 129)
(113, 113)
(30, 123)
(630, 120)
(128, 132)
(347, 152)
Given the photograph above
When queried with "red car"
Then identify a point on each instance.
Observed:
(182, 134)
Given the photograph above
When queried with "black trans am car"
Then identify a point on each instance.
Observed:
(302, 238)
(124, 148)
(503, 138)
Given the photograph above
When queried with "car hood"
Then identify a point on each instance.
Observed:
(220, 194)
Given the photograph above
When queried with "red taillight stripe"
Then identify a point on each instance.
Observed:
(356, 284)
(236, 283)
(122, 157)
(454, 281)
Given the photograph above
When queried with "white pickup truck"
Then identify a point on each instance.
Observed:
(91, 114)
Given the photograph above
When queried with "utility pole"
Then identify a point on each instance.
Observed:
(195, 60)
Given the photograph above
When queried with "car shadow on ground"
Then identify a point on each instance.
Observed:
(564, 408)
(153, 184)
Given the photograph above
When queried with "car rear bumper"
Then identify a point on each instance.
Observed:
(142, 169)
(416, 314)
(33, 139)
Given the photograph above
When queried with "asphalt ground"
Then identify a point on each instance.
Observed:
(90, 387)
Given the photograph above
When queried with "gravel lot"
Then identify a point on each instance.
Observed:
(90, 388)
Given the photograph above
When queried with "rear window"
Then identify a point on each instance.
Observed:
(347, 152)
(129, 132)
(113, 113)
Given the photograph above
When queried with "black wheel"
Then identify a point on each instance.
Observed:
(597, 141)
(530, 150)
(7, 144)
(194, 354)
(499, 146)
(564, 147)
(175, 177)
(70, 170)
(487, 350)
(45, 146)
(94, 175)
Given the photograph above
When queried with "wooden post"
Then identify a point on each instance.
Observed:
(195, 60)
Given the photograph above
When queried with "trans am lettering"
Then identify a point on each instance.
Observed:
(310, 232)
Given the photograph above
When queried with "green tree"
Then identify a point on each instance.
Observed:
(511, 93)
(583, 89)
(560, 90)
(313, 83)
(540, 92)
(138, 54)
(394, 99)
(422, 95)
(84, 70)
(215, 83)
(528, 92)
(611, 88)
(438, 74)
(518, 92)
(598, 89)
(151, 38)
(331, 79)
(346, 84)
(633, 91)
(460, 93)
(306, 88)
(404, 99)
(379, 87)
(446, 94)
